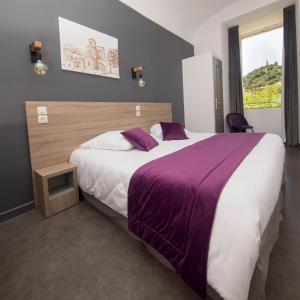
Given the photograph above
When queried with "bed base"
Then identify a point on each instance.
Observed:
(259, 278)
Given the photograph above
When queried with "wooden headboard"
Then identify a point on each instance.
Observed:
(72, 123)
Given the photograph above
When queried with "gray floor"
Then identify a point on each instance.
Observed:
(284, 271)
(80, 254)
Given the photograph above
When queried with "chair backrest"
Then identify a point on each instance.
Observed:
(235, 120)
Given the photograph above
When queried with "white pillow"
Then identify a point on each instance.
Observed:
(157, 131)
(111, 140)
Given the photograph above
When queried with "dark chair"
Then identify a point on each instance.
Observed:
(238, 123)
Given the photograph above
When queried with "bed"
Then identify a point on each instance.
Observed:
(237, 269)
(104, 177)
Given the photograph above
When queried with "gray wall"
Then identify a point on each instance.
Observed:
(140, 42)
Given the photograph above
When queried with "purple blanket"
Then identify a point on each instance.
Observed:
(172, 200)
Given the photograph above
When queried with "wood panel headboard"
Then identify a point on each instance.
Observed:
(72, 123)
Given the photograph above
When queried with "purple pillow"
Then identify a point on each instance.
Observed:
(140, 139)
(172, 131)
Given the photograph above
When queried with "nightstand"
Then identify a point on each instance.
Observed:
(56, 188)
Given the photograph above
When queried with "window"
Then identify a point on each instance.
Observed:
(262, 69)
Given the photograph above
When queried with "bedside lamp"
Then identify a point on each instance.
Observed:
(39, 67)
(138, 70)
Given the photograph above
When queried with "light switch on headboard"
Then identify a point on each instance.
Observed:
(42, 110)
(43, 119)
(42, 113)
(138, 110)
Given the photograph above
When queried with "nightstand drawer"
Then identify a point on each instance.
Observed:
(61, 200)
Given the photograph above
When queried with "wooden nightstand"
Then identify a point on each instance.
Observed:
(56, 188)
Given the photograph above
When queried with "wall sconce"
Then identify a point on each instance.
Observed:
(137, 72)
(39, 67)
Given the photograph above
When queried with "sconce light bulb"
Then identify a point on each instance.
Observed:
(40, 68)
(141, 82)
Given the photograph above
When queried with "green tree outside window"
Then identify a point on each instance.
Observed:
(262, 87)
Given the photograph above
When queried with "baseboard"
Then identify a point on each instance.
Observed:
(5, 215)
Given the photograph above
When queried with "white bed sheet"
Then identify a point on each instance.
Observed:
(243, 211)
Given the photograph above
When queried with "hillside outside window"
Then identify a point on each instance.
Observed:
(262, 69)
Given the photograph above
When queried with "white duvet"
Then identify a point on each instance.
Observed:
(243, 211)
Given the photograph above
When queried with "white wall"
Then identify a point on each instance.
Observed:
(208, 37)
(180, 17)
(164, 14)
(274, 18)
(265, 120)
(212, 36)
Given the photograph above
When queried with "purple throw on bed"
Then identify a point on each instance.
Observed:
(172, 200)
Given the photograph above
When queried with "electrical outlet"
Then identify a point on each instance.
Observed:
(138, 113)
(42, 110)
(43, 119)
(137, 107)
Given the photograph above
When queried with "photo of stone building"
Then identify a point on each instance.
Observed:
(88, 54)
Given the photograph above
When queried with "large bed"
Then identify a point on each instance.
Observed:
(248, 211)
(246, 220)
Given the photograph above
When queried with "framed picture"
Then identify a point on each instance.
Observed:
(88, 51)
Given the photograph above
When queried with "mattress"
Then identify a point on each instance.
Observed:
(243, 211)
